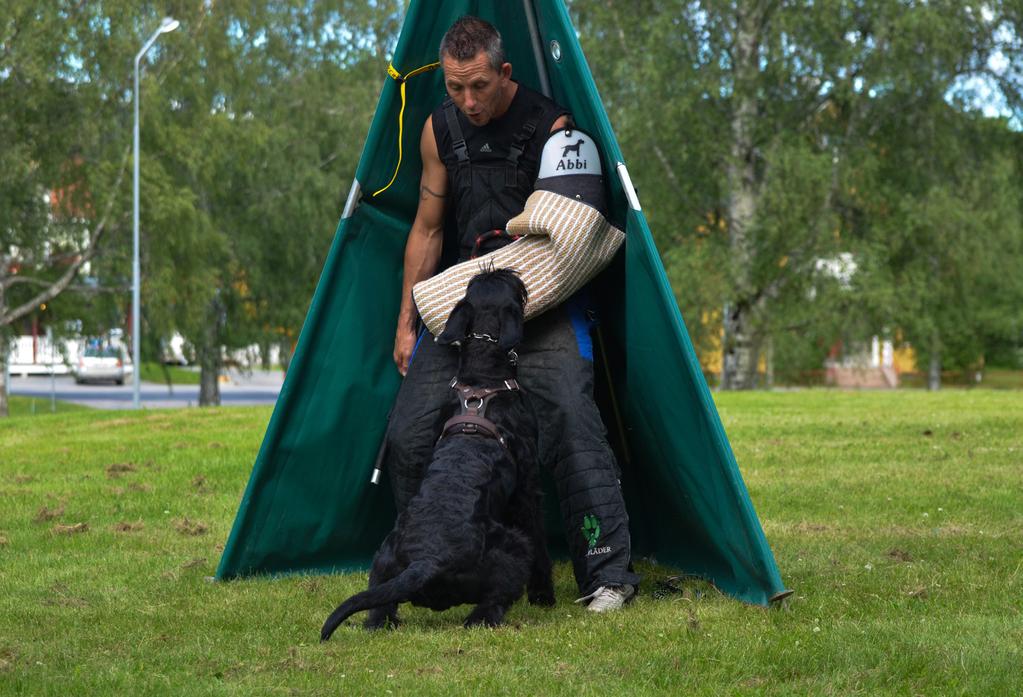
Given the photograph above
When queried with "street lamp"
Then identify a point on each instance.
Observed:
(168, 24)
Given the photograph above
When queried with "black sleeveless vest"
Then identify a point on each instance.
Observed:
(492, 174)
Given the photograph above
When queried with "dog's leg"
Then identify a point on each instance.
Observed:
(540, 588)
(505, 571)
(394, 590)
(528, 517)
(385, 616)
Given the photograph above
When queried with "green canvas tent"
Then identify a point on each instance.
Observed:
(309, 505)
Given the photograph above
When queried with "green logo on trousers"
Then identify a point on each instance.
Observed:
(591, 530)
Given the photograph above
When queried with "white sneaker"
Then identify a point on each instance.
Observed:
(608, 598)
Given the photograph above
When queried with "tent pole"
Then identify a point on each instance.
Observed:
(353, 199)
(538, 53)
(630, 190)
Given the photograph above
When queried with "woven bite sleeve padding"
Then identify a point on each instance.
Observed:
(564, 244)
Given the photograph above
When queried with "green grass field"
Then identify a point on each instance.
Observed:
(897, 518)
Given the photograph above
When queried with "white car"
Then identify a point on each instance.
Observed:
(102, 363)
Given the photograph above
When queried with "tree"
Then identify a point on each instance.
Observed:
(60, 170)
(252, 119)
(263, 115)
(949, 240)
(768, 117)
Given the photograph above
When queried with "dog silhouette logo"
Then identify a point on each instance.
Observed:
(573, 148)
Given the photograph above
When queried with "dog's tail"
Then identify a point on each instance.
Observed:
(396, 590)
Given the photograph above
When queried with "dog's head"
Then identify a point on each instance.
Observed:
(493, 305)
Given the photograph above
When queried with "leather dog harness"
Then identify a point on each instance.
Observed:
(471, 419)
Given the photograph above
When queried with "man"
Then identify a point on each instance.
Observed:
(481, 153)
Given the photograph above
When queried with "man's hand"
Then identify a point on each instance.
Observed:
(404, 344)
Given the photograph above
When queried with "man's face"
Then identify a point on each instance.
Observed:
(476, 88)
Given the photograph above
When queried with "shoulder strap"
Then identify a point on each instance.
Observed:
(457, 139)
(518, 145)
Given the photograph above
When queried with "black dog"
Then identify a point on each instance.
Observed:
(571, 148)
(474, 532)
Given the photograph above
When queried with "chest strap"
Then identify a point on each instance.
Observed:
(471, 417)
(515, 150)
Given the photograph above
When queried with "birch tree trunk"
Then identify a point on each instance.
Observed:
(4, 350)
(738, 345)
(934, 369)
(210, 356)
(4, 411)
(285, 355)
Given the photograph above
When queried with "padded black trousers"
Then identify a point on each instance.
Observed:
(555, 371)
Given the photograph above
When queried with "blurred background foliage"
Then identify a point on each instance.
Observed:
(816, 173)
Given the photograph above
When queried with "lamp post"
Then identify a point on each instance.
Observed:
(168, 24)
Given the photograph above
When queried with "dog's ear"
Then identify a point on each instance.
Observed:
(457, 326)
(511, 328)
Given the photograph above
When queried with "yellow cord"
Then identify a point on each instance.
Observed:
(395, 75)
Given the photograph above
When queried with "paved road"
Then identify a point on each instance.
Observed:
(257, 387)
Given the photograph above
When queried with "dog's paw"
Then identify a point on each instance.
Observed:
(543, 597)
(489, 616)
(383, 622)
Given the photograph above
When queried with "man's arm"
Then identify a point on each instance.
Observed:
(563, 121)
(425, 239)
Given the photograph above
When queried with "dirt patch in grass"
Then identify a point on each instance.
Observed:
(45, 514)
(312, 586)
(192, 528)
(199, 484)
(192, 563)
(806, 526)
(119, 422)
(7, 659)
(943, 530)
(150, 420)
(803, 527)
(142, 488)
(61, 597)
(59, 529)
(900, 555)
(24, 478)
(3, 540)
(124, 526)
(954, 529)
(119, 469)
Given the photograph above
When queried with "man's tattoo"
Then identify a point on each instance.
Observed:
(425, 190)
